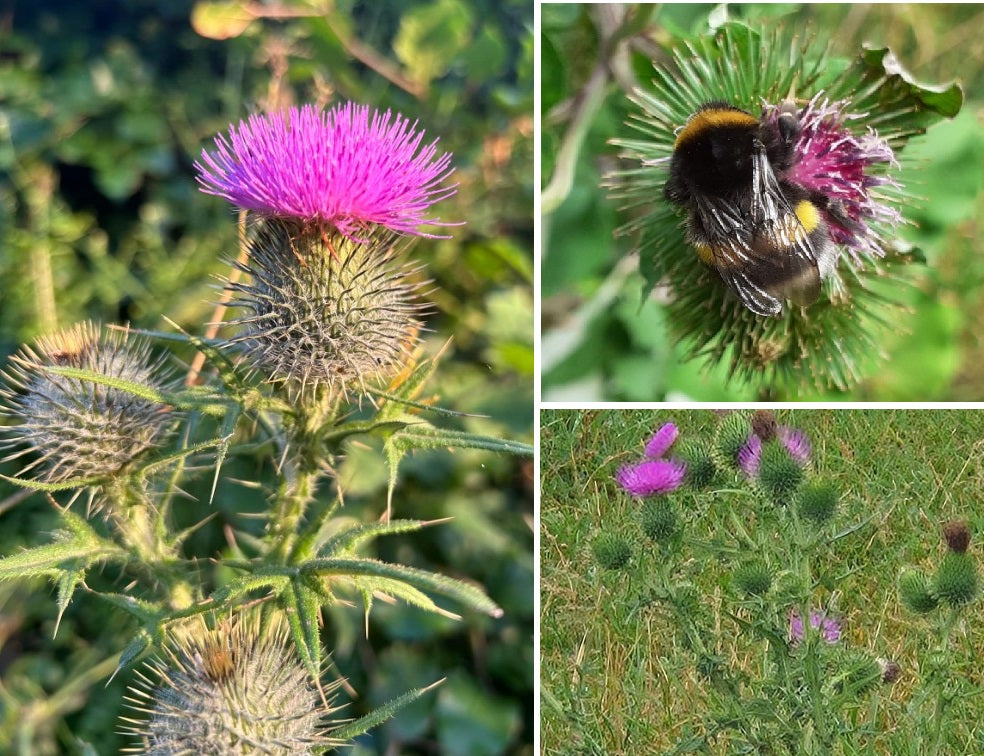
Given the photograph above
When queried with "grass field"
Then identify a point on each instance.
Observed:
(620, 672)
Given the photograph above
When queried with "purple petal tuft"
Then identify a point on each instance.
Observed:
(660, 443)
(347, 167)
(797, 443)
(750, 456)
(652, 477)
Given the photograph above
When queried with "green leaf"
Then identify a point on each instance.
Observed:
(350, 538)
(467, 594)
(62, 485)
(439, 438)
(53, 558)
(133, 649)
(378, 716)
(130, 387)
(302, 606)
(66, 584)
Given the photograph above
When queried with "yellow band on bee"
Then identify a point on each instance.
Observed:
(705, 253)
(808, 215)
(712, 118)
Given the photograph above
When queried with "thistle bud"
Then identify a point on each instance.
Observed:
(916, 592)
(324, 312)
(230, 690)
(956, 579)
(659, 519)
(78, 428)
(611, 550)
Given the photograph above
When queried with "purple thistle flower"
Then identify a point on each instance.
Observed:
(654, 476)
(836, 163)
(346, 168)
(829, 627)
(796, 442)
(750, 456)
(660, 443)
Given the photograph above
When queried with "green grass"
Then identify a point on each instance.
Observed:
(616, 673)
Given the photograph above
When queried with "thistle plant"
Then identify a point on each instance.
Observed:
(322, 352)
(777, 516)
(854, 120)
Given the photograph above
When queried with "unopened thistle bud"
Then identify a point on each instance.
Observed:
(659, 519)
(956, 579)
(322, 312)
(232, 690)
(916, 592)
(78, 428)
(753, 577)
(732, 434)
(611, 550)
(818, 500)
(779, 474)
(700, 464)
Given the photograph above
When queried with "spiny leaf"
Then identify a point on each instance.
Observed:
(301, 606)
(352, 537)
(455, 589)
(440, 438)
(377, 716)
(66, 583)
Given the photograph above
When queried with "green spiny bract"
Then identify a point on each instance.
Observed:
(818, 500)
(335, 313)
(779, 474)
(916, 592)
(700, 464)
(78, 428)
(752, 577)
(231, 690)
(732, 433)
(659, 519)
(956, 579)
(611, 550)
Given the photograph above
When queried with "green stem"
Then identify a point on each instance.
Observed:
(301, 472)
(141, 528)
(940, 679)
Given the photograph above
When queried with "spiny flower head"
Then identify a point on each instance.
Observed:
(319, 313)
(347, 168)
(691, 246)
(231, 690)
(78, 428)
(654, 476)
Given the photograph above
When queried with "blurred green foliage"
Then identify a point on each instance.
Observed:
(602, 342)
(103, 109)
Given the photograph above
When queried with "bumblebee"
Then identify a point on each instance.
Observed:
(767, 237)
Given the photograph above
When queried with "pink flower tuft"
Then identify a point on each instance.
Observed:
(750, 456)
(829, 627)
(652, 477)
(346, 167)
(797, 443)
(660, 443)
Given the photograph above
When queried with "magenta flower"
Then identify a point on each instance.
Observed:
(796, 442)
(660, 443)
(346, 168)
(829, 627)
(750, 456)
(651, 477)
(836, 163)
